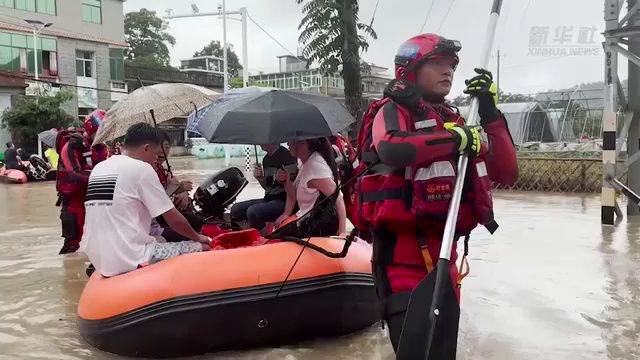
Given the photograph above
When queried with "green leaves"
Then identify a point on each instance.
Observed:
(333, 38)
(214, 48)
(332, 34)
(34, 114)
(147, 38)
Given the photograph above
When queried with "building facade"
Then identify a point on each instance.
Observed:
(295, 75)
(205, 64)
(82, 49)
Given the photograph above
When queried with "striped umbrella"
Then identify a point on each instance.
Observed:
(48, 137)
(167, 101)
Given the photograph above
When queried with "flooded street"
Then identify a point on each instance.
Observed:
(551, 284)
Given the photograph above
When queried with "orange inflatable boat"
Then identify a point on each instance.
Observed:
(38, 171)
(231, 299)
(12, 176)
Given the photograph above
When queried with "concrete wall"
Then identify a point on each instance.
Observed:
(67, 70)
(69, 19)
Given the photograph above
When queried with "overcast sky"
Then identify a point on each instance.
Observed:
(526, 67)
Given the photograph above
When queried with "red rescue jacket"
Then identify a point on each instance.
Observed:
(77, 158)
(412, 185)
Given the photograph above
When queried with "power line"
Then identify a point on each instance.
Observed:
(374, 13)
(446, 15)
(8, 74)
(524, 14)
(273, 38)
(427, 16)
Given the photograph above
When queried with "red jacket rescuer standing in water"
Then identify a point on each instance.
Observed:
(77, 157)
(414, 141)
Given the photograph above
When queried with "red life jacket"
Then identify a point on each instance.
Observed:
(359, 163)
(346, 162)
(82, 156)
(418, 196)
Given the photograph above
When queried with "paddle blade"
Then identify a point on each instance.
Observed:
(419, 326)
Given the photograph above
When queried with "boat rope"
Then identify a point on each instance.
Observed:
(291, 270)
(307, 244)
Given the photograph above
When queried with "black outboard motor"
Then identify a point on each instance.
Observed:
(219, 191)
(38, 169)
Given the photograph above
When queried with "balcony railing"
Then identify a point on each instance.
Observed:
(132, 74)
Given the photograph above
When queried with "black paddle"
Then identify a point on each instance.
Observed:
(430, 329)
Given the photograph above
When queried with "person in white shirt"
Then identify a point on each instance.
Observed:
(317, 178)
(123, 197)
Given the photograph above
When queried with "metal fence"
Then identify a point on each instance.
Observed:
(552, 174)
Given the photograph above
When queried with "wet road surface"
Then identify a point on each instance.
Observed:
(550, 284)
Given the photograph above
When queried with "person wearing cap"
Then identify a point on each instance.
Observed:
(415, 141)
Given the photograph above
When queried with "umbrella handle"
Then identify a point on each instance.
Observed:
(166, 158)
(255, 151)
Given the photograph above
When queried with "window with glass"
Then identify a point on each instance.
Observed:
(16, 54)
(84, 112)
(116, 63)
(46, 6)
(27, 5)
(41, 6)
(92, 11)
(84, 64)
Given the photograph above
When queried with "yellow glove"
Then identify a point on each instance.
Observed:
(467, 138)
(483, 87)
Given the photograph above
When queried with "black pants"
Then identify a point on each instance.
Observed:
(393, 306)
(258, 211)
(171, 235)
(16, 166)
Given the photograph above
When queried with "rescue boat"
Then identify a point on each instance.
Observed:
(231, 299)
(38, 171)
(12, 176)
(258, 295)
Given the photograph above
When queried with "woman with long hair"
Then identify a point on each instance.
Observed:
(317, 179)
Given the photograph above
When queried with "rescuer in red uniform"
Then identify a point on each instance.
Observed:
(416, 138)
(77, 158)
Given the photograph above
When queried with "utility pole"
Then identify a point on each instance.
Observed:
(224, 46)
(498, 78)
(245, 51)
(222, 12)
(634, 106)
(619, 32)
(38, 26)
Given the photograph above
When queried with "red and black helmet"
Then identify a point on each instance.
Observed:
(417, 50)
(92, 122)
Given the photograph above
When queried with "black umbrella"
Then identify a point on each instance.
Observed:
(274, 117)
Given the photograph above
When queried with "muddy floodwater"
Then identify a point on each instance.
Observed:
(550, 284)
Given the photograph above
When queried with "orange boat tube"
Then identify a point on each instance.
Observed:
(12, 176)
(231, 299)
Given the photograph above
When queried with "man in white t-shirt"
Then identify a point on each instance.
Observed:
(123, 197)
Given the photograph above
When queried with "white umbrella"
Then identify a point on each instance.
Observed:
(164, 101)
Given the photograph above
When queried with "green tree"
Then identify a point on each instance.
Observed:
(237, 82)
(214, 48)
(333, 37)
(34, 114)
(147, 37)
